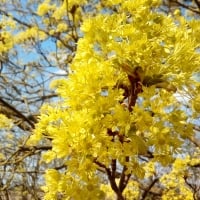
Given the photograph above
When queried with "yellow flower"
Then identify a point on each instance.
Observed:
(5, 122)
(44, 8)
(62, 27)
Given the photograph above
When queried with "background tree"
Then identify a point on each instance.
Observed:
(33, 50)
(188, 7)
(38, 40)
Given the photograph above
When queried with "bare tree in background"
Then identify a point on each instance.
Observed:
(190, 6)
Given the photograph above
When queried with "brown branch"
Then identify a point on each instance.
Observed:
(187, 7)
(113, 167)
(196, 128)
(124, 178)
(34, 148)
(194, 188)
(147, 190)
(197, 3)
(135, 89)
(111, 180)
(29, 152)
(193, 140)
(16, 112)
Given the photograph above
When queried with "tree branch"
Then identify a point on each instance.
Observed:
(197, 3)
(124, 178)
(111, 179)
(14, 111)
(147, 190)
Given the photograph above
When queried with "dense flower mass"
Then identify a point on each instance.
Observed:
(112, 115)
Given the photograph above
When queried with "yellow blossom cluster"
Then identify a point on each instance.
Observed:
(6, 37)
(174, 182)
(90, 127)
